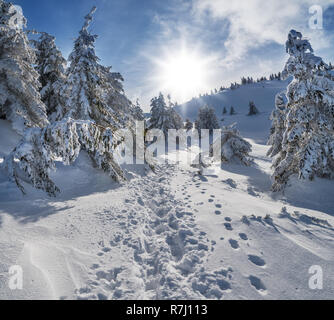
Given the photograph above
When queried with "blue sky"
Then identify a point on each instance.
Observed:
(225, 39)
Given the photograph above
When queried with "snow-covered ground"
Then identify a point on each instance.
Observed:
(169, 234)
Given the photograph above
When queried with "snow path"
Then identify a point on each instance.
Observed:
(165, 248)
(134, 242)
(266, 243)
(172, 234)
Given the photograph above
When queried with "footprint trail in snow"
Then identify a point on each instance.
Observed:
(164, 247)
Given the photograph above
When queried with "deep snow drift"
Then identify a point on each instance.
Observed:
(171, 234)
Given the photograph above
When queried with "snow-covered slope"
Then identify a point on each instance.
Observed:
(169, 234)
(262, 93)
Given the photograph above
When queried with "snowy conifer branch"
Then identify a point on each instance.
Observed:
(40, 149)
(302, 136)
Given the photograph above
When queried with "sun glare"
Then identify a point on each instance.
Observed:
(183, 75)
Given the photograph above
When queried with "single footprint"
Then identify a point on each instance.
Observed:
(228, 226)
(223, 285)
(217, 212)
(257, 260)
(251, 192)
(219, 206)
(234, 244)
(140, 201)
(95, 266)
(228, 219)
(101, 296)
(231, 183)
(210, 200)
(258, 284)
(243, 236)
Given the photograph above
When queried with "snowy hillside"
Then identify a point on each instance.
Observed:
(170, 234)
(263, 94)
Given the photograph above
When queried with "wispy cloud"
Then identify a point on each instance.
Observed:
(241, 37)
(255, 23)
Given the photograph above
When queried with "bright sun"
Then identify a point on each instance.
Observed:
(183, 74)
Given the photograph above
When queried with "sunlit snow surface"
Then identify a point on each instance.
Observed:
(170, 233)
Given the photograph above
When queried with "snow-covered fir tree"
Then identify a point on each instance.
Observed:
(308, 140)
(163, 117)
(278, 125)
(230, 147)
(86, 79)
(232, 111)
(234, 149)
(234, 86)
(138, 112)
(252, 109)
(125, 112)
(207, 119)
(20, 101)
(51, 67)
(224, 111)
(34, 157)
(188, 125)
(248, 80)
(88, 123)
(94, 93)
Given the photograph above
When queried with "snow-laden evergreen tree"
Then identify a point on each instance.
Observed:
(94, 92)
(20, 101)
(138, 112)
(234, 149)
(51, 67)
(252, 109)
(308, 139)
(278, 117)
(124, 111)
(88, 123)
(86, 79)
(232, 111)
(248, 80)
(158, 112)
(35, 156)
(90, 87)
(176, 118)
(224, 111)
(207, 119)
(188, 125)
(163, 117)
(230, 147)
